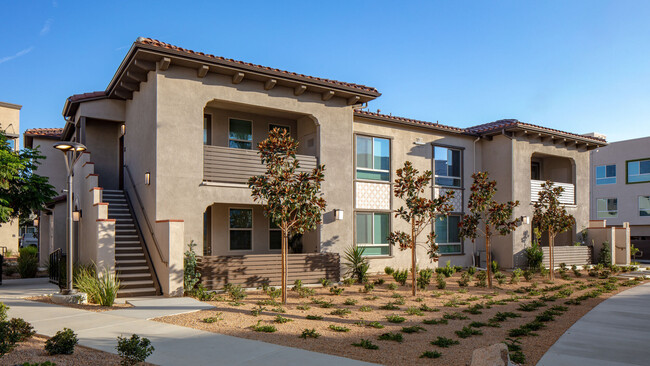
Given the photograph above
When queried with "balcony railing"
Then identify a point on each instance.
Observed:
(228, 165)
(567, 197)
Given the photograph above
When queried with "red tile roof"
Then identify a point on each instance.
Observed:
(513, 123)
(437, 125)
(44, 132)
(157, 43)
(87, 96)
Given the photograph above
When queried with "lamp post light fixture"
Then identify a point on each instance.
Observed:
(70, 150)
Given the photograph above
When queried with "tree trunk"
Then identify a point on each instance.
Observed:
(413, 269)
(551, 243)
(285, 253)
(488, 257)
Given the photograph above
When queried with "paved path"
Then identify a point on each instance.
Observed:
(174, 345)
(614, 333)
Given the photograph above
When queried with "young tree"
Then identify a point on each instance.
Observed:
(495, 217)
(419, 213)
(293, 200)
(21, 191)
(551, 216)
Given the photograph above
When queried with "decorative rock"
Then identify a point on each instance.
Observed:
(494, 355)
(76, 298)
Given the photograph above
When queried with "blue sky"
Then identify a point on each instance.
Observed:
(578, 66)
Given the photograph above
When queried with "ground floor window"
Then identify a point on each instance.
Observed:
(644, 205)
(241, 229)
(275, 236)
(607, 207)
(207, 232)
(447, 236)
(373, 229)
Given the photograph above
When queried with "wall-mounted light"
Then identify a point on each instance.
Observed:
(147, 178)
(419, 141)
(36, 222)
(338, 214)
(123, 129)
(525, 220)
(76, 216)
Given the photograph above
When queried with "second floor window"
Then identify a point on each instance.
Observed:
(240, 134)
(605, 174)
(207, 129)
(638, 171)
(447, 166)
(644, 205)
(606, 208)
(373, 158)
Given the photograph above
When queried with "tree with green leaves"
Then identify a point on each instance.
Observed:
(551, 216)
(419, 212)
(21, 191)
(292, 199)
(487, 216)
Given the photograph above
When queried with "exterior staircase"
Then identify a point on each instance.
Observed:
(131, 265)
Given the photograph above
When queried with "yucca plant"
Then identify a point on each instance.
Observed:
(357, 264)
(101, 288)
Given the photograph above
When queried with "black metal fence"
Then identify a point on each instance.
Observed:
(57, 268)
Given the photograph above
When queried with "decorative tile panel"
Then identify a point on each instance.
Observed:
(457, 201)
(372, 196)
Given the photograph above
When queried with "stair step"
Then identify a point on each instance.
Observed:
(140, 283)
(134, 276)
(131, 262)
(121, 257)
(149, 291)
(131, 269)
(128, 242)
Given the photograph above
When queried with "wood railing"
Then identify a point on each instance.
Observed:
(567, 197)
(257, 269)
(569, 255)
(228, 165)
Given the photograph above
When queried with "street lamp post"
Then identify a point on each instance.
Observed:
(70, 150)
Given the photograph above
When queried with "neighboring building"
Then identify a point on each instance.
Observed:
(10, 127)
(621, 188)
(171, 144)
(51, 236)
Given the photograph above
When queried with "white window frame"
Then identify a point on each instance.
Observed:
(606, 199)
(390, 153)
(274, 229)
(639, 206)
(238, 140)
(606, 177)
(365, 245)
(230, 229)
(460, 161)
(460, 243)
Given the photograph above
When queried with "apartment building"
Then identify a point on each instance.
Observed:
(172, 141)
(620, 188)
(10, 127)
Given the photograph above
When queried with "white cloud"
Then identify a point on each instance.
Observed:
(46, 27)
(21, 53)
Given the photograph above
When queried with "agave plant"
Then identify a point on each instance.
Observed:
(357, 264)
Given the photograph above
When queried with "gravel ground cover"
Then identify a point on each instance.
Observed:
(32, 351)
(403, 327)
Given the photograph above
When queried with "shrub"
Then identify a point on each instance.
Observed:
(501, 317)
(605, 257)
(202, 294)
(494, 266)
(528, 274)
(424, 278)
(350, 302)
(500, 277)
(531, 306)
(425, 307)
(464, 279)
(281, 320)
(379, 281)
(264, 328)
(431, 354)
(395, 319)
(325, 282)
(516, 275)
(389, 270)
(444, 342)
(62, 343)
(481, 279)
(337, 328)
(28, 262)
(314, 317)
(133, 350)
(454, 316)
(303, 307)
(413, 329)
(357, 264)
(400, 276)
(335, 290)
(191, 276)
(474, 309)
(467, 332)
(395, 337)
(217, 317)
(447, 270)
(235, 292)
(389, 306)
(440, 281)
(13, 331)
(3, 312)
(414, 311)
(368, 287)
(341, 312)
(365, 343)
(365, 309)
(435, 321)
(534, 256)
(392, 286)
(348, 281)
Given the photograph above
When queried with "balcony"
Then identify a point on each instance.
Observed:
(567, 197)
(228, 165)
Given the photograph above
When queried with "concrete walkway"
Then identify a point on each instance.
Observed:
(174, 345)
(614, 333)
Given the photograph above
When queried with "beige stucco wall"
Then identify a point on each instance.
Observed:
(53, 165)
(102, 141)
(10, 125)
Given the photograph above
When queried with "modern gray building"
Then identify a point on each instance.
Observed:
(620, 188)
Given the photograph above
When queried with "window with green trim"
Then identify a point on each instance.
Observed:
(373, 158)
(447, 236)
(373, 229)
(638, 171)
(606, 208)
(644, 205)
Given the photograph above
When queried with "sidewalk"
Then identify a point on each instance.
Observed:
(614, 333)
(174, 345)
